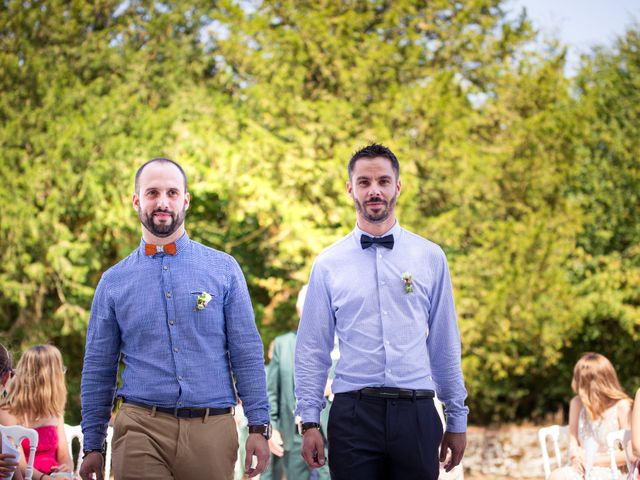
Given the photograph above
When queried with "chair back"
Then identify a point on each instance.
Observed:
(74, 432)
(107, 456)
(555, 433)
(17, 433)
(623, 437)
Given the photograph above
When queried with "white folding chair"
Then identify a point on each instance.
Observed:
(107, 459)
(623, 437)
(17, 433)
(74, 432)
(555, 432)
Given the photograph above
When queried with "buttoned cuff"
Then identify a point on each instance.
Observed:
(456, 424)
(258, 417)
(310, 415)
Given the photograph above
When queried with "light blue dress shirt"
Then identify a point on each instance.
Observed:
(387, 337)
(175, 355)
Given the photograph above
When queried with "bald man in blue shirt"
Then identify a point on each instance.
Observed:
(180, 316)
(386, 293)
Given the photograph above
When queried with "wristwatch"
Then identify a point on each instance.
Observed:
(264, 430)
(87, 452)
(304, 426)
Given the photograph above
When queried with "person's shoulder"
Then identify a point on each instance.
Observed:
(286, 337)
(422, 241)
(6, 418)
(121, 267)
(575, 402)
(623, 407)
(337, 249)
(206, 252)
(426, 247)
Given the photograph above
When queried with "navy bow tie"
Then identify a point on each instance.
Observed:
(366, 241)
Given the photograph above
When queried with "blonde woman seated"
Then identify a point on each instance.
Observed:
(600, 407)
(36, 398)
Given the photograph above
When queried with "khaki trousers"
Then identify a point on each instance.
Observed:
(161, 446)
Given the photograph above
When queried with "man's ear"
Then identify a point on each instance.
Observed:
(187, 200)
(135, 200)
(349, 188)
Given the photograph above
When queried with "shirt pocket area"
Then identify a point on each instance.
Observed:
(205, 316)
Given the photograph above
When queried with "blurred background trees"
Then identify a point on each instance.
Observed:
(528, 178)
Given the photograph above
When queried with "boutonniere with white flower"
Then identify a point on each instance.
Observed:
(203, 300)
(407, 278)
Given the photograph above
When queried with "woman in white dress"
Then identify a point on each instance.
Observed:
(599, 407)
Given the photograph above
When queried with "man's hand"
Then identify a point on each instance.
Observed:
(92, 463)
(313, 448)
(8, 464)
(256, 445)
(275, 443)
(456, 442)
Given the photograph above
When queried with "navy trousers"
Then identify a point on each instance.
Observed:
(373, 438)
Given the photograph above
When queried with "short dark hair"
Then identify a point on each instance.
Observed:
(162, 160)
(372, 151)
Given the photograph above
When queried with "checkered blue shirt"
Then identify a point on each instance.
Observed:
(175, 355)
(387, 337)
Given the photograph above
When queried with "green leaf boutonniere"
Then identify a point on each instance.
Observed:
(203, 299)
(408, 282)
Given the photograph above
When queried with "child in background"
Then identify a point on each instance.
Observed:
(599, 407)
(36, 399)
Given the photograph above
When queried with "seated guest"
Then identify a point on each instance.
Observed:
(36, 399)
(8, 454)
(599, 407)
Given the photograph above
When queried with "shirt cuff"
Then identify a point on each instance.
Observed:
(457, 424)
(310, 415)
(258, 417)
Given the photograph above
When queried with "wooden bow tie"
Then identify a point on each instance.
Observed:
(151, 249)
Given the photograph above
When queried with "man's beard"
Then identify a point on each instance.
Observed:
(164, 229)
(382, 215)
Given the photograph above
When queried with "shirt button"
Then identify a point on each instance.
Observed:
(387, 342)
(384, 312)
(179, 377)
(388, 370)
(382, 283)
(379, 255)
(165, 267)
(171, 322)
(168, 295)
(180, 403)
(175, 349)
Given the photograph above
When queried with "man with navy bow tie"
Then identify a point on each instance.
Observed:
(180, 316)
(386, 293)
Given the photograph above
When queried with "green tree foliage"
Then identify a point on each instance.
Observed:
(528, 179)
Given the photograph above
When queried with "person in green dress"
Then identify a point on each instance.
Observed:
(286, 442)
